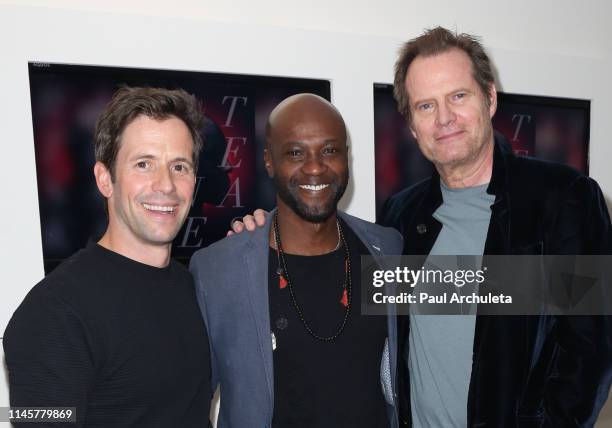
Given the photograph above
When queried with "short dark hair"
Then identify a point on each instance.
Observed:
(128, 103)
(433, 42)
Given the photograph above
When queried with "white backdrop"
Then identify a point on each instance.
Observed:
(542, 48)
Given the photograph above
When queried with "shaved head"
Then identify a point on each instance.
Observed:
(306, 155)
(301, 108)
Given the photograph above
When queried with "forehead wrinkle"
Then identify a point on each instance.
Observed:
(445, 72)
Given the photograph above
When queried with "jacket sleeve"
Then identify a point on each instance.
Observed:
(581, 382)
(48, 357)
(196, 266)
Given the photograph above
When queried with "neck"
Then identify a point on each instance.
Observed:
(474, 173)
(152, 255)
(302, 237)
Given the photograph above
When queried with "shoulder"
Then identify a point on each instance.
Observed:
(409, 195)
(75, 284)
(227, 252)
(73, 277)
(46, 334)
(406, 200)
(550, 182)
(218, 250)
(389, 236)
(544, 173)
(47, 306)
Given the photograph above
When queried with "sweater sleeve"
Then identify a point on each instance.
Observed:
(48, 357)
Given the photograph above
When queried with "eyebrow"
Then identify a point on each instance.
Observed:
(415, 103)
(140, 156)
(329, 141)
(146, 156)
(430, 99)
(182, 159)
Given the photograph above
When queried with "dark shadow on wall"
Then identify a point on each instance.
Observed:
(4, 371)
(609, 205)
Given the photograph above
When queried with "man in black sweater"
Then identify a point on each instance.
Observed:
(115, 332)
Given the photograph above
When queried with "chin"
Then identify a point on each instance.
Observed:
(161, 241)
(316, 214)
(158, 237)
(451, 157)
(315, 217)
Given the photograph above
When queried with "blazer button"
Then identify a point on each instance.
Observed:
(281, 323)
(421, 228)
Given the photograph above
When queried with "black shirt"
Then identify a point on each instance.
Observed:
(122, 341)
(325, 384)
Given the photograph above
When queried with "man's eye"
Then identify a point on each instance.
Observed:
(425, 107)
(330, 150)
(294, 153)
(142, 164)
(180, 168)
(460, 95)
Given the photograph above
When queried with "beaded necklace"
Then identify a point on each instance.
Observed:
(285, 281)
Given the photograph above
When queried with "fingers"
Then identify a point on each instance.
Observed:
(237, 227)
(249, 222)
(260, 217)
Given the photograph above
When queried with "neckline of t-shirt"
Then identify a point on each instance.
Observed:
(329, 254)
(461, 192)
(348, 233)
(126, 261)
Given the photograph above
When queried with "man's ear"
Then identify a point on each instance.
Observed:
(411, 128)
(268, 163)
(103, 179)
(492, 100)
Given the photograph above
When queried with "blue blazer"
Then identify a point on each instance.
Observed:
(231, 279)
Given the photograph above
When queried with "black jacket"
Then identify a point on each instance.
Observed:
(527, 371)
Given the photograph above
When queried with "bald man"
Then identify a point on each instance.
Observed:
(282, 303)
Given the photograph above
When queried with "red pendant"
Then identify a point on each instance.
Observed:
(344, 299)
(282, 282)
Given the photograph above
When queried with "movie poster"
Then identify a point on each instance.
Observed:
(554, 129)
(231, 180)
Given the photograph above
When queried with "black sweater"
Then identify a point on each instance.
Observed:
(121, 341)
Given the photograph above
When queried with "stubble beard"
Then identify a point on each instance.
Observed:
(288, 192)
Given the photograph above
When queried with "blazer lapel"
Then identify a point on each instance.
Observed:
(377, 251)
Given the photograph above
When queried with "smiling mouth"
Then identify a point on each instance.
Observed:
(314, 187)
(449, 136)
(159, 208)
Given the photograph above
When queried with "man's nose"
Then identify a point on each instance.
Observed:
(314, 165)
(163, 181)
(445, 114)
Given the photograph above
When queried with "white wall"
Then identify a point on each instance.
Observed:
(544, 47)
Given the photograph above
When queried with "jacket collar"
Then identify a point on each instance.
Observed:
(502, 153)
(422, 229)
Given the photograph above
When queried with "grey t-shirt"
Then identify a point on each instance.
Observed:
(441, 346)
